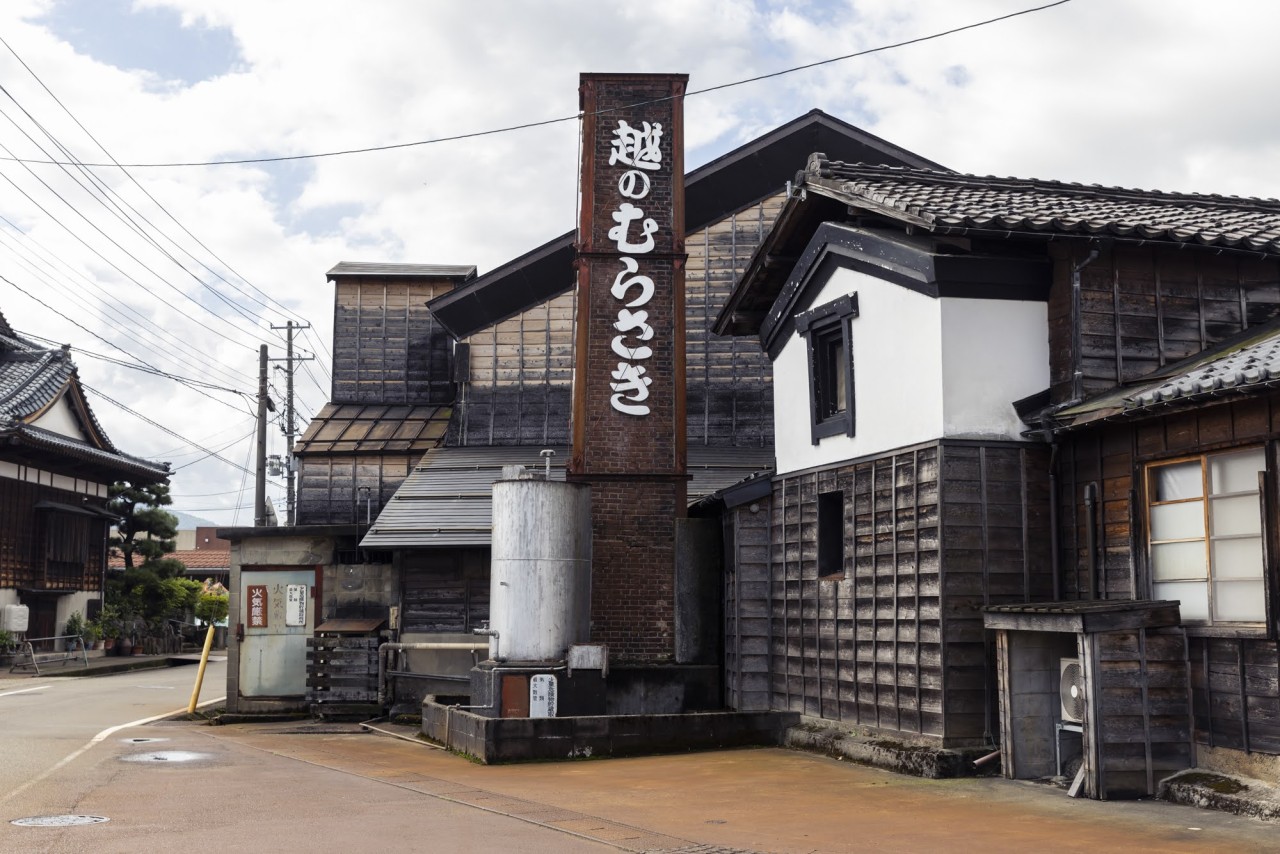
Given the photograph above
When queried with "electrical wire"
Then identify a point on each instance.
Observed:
(105, 341)
(561, 119)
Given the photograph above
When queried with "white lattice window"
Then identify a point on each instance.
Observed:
(1205, 536)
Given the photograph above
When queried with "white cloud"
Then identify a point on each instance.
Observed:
(1168, 95)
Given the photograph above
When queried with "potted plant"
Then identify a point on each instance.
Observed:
(7, 645)
(75, 627)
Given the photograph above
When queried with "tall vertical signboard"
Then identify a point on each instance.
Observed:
(629, 382)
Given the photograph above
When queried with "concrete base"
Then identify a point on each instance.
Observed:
(919, 758)
(1224, 792)
(501, 740)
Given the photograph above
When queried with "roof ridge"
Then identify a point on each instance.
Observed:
(837, 170)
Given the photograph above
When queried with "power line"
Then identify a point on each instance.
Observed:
(105, 341)
(561, 119)
(144, 191)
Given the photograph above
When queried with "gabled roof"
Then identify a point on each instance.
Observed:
(729, 183)
(1245, 364)
(948, 204)
(373, 429)
(447, 498)
(33, 379)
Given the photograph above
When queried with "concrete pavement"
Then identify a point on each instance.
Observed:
(765, 800)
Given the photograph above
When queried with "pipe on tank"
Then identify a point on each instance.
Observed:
(385, 649)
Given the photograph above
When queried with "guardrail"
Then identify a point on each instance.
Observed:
(26, 650)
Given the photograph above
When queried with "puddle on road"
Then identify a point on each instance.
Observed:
(171, 757)
(142, 740)
(59, 820)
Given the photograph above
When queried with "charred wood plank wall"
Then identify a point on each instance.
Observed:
(521, 368)
(25, 533)
(444, 590)
(932, 534)
(328, 485)
(747, 606)
(1144, 307)
(1235, 695)
(387, 347)
(1137, 732)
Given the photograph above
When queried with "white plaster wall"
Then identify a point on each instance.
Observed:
(994, 352)
(898, 376)
(60, 419)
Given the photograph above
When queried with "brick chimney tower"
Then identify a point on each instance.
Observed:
(629, 381)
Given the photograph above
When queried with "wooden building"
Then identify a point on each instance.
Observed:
(56, 464)
(1019, 423)
(516, 329)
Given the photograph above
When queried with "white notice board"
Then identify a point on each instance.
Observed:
(295, 612)
(542, 696)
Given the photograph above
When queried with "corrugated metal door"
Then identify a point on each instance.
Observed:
(278, 613)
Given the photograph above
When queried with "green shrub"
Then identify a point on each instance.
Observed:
(212, 608)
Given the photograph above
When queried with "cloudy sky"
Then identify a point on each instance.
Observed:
(185, 269)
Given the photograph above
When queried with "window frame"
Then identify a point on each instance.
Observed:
(829, 328)
(1266, 505)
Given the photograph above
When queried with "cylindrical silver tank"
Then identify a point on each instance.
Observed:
(540, 569)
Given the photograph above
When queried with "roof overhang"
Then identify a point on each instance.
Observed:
(920, 264)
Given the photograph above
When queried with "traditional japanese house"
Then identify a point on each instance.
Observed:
(56, 464)
(1019, 426)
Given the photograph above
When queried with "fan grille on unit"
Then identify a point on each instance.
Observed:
(1072, 691)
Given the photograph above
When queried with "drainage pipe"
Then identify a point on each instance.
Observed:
(385, 649)
(1091, 536)
(978, 763)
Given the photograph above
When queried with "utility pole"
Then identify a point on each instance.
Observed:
(260, 483)
(290, 423)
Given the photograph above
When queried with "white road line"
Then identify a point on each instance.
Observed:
(100, 737)
(24, 691)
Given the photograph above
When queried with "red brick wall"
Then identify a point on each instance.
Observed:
(634, 462)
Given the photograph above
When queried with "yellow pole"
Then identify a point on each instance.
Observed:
(204, 661)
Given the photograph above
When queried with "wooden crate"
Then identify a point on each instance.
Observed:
(342, 676)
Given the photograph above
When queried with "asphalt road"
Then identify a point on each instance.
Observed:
(310, 787)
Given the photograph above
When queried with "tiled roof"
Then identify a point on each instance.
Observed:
(194, 559)
(1246, 364)
(949, 202)
(32, 378)
(358, 429)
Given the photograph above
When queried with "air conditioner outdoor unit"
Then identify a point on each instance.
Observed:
(1071, 690)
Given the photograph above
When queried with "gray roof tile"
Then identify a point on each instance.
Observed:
(947, 201)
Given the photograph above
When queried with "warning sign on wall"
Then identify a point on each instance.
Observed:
(256, 594)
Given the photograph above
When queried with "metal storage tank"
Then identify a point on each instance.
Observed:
(540, 568)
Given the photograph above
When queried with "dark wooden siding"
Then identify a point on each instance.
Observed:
(327, 486)
(1145, 307)
(1137, 730)
(995, 551)
(444, 590)
(387, 347)
(521, 369)
(25, 532)
(932, 534)
(729, 380)
(1235, 696)
(747, 617)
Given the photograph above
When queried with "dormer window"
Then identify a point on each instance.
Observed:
(828, 330)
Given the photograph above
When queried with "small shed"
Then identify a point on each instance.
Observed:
(1101, 682)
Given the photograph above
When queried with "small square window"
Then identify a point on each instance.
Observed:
(830, 534)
